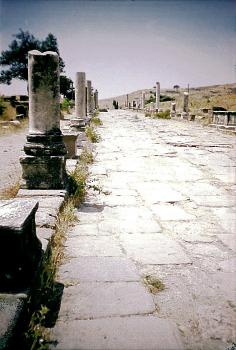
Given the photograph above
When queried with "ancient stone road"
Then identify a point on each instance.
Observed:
(170, 214)
(11, 148)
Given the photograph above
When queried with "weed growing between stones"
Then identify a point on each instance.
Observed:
(154, 285)
(91, 134)
(44, 302)
(96, 121)
(86, 157)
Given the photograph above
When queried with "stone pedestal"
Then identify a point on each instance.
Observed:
(44, 163)
(157, 96)
(70, 140)
(20, 249)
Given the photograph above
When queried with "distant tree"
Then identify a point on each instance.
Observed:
(16, 57)
(176, 88)
(50, 44)
(66, 87)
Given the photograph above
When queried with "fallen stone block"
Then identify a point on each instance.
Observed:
(20, 249)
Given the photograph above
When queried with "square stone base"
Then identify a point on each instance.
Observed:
(46, 172)
(70, 141)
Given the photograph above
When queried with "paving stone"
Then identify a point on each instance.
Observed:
(93, 300)
(99, 269)
(125, 220)
(84, 230)
(226, 218)
(193, 231)
(92, 246)
(171, 212)
(154, 249)
(156, 192)
(113, 201)
(228, 265)
(228, 239)
(118, 333)
(214, 201)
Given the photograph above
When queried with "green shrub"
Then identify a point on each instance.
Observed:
(162, 115)
(66, 105)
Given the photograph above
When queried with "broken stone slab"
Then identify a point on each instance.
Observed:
(44, 235)
(20, 249)
(11, 306)
(102, 299)
(118, 333)
(46, 218)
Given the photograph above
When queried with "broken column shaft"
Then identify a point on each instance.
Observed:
(44, 163)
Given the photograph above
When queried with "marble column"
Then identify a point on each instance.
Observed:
(143, 100)
(89, 97)
(157, 96)
(96, 99)
(80, 99)
(185, 102)
(184, 114)
(173, 109)
(43, 165)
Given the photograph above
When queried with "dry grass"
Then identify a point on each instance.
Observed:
(10, 191)
(91, 134)
(86, 156)
(11, 128)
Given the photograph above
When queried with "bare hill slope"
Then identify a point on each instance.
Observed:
(200, 97)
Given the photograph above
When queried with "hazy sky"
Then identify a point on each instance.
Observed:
(128, 45)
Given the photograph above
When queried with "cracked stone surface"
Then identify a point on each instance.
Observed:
(167, 210)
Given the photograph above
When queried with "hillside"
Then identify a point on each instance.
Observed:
(200, 97)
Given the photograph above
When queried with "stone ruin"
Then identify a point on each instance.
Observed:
(43, 165)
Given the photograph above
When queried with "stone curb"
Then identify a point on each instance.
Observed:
(12, 304)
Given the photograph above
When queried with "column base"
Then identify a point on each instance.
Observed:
(46, 172)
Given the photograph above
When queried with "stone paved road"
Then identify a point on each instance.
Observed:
(11, 148)
(170, 214)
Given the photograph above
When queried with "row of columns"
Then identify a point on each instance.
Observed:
(43, 165)
(86, 101)
(156, 106)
